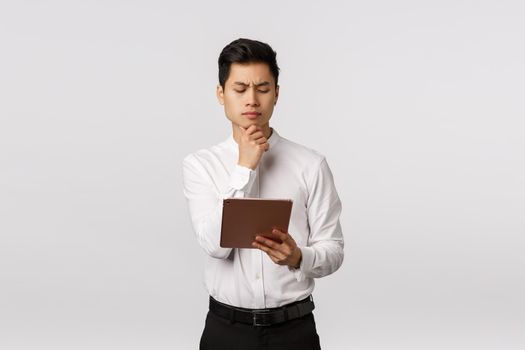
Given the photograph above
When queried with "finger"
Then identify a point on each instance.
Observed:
(251, 129)
(283, 249)
(261, 140)
(262, 147)
(283, 236)
(274, 254)
(267, 242)
(256, 135)
(271, 236)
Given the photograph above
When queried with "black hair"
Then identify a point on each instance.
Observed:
(246, 51)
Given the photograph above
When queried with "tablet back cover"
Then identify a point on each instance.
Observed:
(244, 218)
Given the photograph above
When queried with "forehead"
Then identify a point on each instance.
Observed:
(250, 73)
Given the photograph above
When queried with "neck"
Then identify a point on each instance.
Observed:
(266, 130)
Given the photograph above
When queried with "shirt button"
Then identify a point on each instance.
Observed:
(257, 276)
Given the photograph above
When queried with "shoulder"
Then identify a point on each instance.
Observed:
(299, 152)
(204, 155)
(310, 165)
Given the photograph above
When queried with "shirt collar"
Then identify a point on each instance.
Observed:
(274, 138)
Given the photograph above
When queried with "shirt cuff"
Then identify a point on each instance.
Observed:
(242, 178)
(307, 261)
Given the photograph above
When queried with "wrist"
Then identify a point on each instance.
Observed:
(246, 165)
(298, 258)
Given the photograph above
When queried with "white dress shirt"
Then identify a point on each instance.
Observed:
(248, 277)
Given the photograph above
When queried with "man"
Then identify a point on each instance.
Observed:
(261, 298)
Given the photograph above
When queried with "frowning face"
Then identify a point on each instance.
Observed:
(249, 94)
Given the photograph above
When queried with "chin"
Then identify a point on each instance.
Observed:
(247, 123)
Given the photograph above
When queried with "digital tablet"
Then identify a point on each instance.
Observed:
(244, 218)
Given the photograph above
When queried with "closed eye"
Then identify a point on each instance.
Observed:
(261, 91)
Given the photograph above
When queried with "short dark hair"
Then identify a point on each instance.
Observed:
(246, 51)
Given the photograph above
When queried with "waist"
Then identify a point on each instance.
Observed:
(263, 317)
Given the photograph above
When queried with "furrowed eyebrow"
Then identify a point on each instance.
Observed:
(240, 83)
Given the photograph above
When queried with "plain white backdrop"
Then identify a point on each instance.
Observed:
(417, 105)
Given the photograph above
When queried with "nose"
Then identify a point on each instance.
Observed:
(251, 98)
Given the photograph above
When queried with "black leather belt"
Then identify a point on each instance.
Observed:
(263, 317)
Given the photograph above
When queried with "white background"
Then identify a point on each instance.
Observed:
(417, 105)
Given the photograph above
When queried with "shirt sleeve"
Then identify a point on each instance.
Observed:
(324, 252)
(205, 201)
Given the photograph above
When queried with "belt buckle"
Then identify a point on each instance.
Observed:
(257, 316)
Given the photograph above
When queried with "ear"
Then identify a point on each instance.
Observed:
(276, 94)
(220, 94)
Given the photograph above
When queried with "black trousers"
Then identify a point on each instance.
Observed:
(221, 334)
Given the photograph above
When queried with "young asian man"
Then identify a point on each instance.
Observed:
(260, 298)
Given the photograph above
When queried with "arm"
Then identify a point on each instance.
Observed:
(324, 253)
(205, 203)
